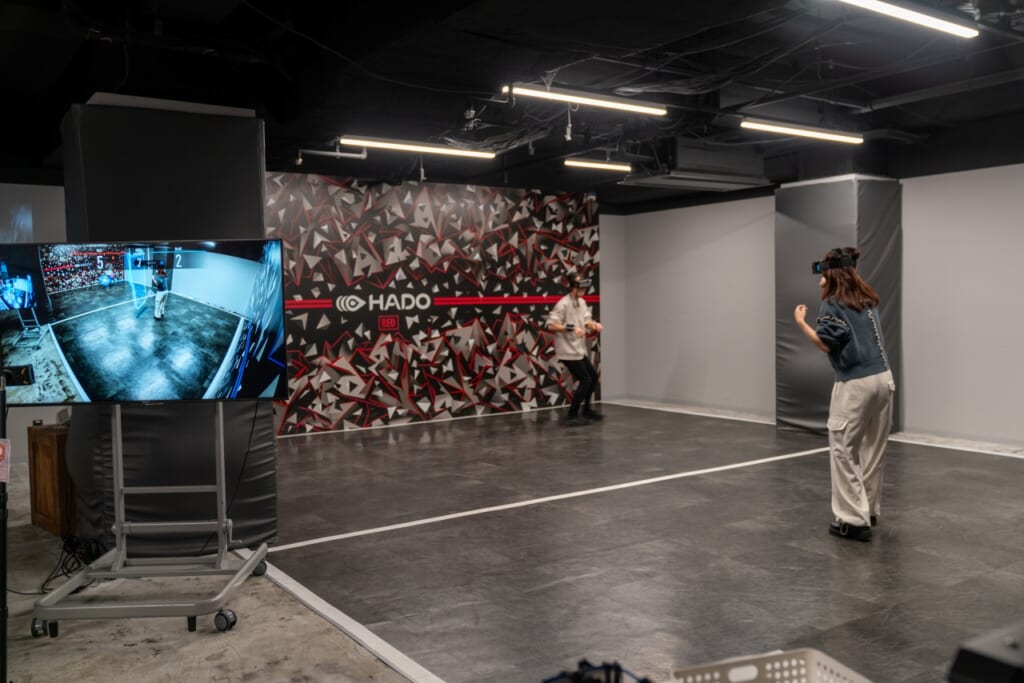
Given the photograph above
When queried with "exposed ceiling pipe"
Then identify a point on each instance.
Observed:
(869, 76)
(334, 155)
(850, 104)
(943, 90)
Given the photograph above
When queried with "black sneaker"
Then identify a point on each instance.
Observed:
(576, 421)
(593, 415)
(849, 531)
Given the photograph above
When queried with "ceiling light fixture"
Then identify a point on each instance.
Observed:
(919, 18)
(599, 165)
(803, 131)
(585, 100)
(397, 145)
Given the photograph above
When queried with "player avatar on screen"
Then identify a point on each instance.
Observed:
(16, 292)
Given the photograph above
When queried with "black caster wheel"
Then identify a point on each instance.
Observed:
(38, 628)
(260, 569)
(51, 627)
(225, 620)
(191, 624)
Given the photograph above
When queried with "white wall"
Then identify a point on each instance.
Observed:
(700, 306)
(32, 213)
(613, 307)
(963, 312)
(218, 280)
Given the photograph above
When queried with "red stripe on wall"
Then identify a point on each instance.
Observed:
(293, 304)
(503, 300)
(441, 301)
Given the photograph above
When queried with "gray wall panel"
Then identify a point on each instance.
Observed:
(962, 324)
(613, 306)
(700, 306)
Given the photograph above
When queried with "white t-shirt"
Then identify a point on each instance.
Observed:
(570, 312)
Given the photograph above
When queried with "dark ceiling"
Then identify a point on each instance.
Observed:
(926, 102)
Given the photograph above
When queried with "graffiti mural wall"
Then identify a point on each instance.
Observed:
(423, 301)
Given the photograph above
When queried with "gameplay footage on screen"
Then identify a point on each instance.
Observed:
(142, 322)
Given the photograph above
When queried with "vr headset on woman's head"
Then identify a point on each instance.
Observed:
(819, 267)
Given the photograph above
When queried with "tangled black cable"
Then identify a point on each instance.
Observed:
(591, 673)
(75, 554)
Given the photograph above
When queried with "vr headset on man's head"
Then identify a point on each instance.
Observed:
(581, 282)
(819, 267)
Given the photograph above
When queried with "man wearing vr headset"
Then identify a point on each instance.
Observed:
(848, 329)
(570, 320)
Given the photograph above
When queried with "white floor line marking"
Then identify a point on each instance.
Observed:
(953, 446)
(435, 421)
(666, 408)
(539, 501)
(378, 647)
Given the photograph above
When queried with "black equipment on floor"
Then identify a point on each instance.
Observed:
(996, 657)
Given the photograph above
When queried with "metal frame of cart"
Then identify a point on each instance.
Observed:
(115, 564)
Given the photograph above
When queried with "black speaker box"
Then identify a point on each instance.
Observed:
(996, 657)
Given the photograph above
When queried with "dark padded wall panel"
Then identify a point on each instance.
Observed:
(880, 238)
(158, 451)
(148, 174)
(810, 219)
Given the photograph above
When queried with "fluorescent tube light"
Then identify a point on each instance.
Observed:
(918, 18)
(381, 143)
(599, 165)
(817, 133)
(556, 95)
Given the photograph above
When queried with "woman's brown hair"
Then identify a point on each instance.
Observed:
(844, 285)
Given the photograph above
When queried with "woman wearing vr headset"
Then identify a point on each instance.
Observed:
(570, 319)
(848, 329)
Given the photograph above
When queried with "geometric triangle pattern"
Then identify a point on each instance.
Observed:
(423, 301)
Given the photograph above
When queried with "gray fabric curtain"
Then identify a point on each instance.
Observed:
(172, 444)
(810, 219)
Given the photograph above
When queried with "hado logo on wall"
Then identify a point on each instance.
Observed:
(350, 303)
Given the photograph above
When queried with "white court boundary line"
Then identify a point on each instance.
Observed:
(437, 420)
(952, 446)
(540, 501)
(376, 646)
(668, 408)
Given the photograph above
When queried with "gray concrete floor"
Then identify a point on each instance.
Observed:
(942, 568)
(276, 638)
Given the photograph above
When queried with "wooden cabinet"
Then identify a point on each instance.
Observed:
(51, 492)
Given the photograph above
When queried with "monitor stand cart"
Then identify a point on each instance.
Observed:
(115, 564)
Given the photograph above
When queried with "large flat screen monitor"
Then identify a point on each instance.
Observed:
(142, 322)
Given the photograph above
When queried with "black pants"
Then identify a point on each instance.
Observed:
(586, 376)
